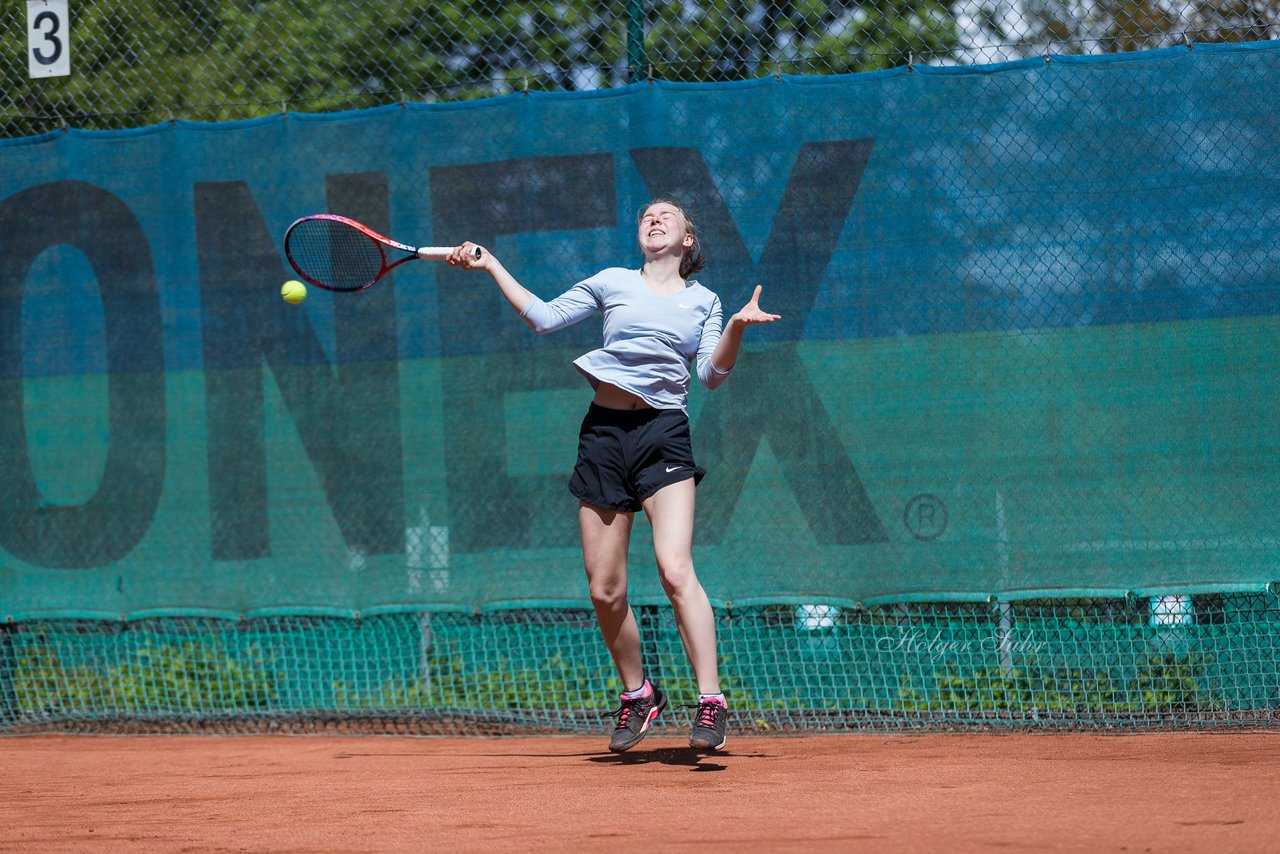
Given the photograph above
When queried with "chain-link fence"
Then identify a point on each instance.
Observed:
(145, 61)
(1010, 460)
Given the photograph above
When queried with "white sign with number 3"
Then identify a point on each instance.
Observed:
(48, 38)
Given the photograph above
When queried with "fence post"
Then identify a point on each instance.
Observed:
(635, 41)
(8, 667)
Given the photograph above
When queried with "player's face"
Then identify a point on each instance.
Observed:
(663, 229)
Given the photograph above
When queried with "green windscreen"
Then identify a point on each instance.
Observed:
(1028, 344)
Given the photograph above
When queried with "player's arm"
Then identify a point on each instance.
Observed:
(725, 354)
(515, 293)
(576, 304)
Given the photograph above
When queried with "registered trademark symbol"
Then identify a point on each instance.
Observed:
(925, 517)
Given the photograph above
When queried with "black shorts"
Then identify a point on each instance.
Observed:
(626, 455)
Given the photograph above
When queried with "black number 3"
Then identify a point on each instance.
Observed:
(51, 37)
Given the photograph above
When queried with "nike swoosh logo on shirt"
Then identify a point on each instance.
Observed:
(683, 305)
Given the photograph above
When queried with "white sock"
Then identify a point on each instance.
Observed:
(642, 691)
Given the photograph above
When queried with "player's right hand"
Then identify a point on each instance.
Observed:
(464, 256)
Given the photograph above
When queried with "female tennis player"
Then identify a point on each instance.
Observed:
(634, 448)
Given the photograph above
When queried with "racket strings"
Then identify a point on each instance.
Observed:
(335, 255)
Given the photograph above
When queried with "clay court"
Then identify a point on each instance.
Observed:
(1137, 793)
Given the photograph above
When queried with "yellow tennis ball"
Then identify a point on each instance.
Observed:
(293, 291)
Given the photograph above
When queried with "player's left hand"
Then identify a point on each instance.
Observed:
(751, 313)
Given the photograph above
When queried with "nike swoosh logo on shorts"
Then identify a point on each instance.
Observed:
(670, 469)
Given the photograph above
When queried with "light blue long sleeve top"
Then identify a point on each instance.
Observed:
(650, 341)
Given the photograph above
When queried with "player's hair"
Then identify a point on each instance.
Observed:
(694, 258)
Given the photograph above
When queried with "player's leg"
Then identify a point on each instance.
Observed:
(670, 511)
(605, 536)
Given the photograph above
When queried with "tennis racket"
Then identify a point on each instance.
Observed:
(340, 254)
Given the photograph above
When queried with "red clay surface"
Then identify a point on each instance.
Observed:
(1140, 793)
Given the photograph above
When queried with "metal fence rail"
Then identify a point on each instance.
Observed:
(145, 61)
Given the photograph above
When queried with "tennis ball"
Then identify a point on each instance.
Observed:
(293, 291)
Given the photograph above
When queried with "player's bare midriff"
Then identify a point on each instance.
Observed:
(612, 397)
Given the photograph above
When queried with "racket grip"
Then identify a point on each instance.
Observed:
(439, 253)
